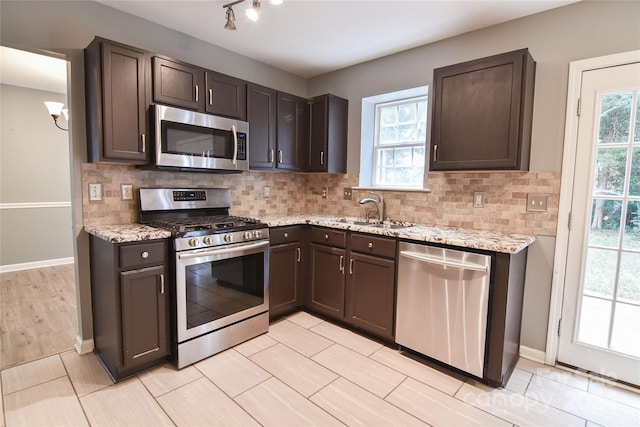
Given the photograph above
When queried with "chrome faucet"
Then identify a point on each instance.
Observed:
(379, 204)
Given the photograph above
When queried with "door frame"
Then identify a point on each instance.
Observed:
(576, 68)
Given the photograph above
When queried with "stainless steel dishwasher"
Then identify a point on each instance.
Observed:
(443, 297)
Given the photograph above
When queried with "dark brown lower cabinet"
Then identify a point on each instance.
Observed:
(327, 280)
(286, 267)
(130, 299)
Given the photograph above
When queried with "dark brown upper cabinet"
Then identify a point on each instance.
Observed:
(292, 132)
(278, 124)
(482, 113)
(328, 134)
(261, 115)
(226, 96)
(177, 83)
(116, 79)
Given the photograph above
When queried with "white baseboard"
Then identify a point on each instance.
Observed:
(83, 346)
(532, 354)
(36, 264)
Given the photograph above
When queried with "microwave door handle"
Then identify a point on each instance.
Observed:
(235, 144)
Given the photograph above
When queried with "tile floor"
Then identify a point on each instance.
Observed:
(305, 371)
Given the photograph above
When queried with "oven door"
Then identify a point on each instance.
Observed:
(216, 287)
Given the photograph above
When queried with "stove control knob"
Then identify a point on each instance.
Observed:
(207, 240)
(193, 242)
(257, 234)
(246, 235)
(228, 238)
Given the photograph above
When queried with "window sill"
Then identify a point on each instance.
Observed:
(408, 190)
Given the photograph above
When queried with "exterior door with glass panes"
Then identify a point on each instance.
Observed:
(600, 327)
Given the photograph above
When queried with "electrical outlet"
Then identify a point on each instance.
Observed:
(537, 202)
(347, 193)
(126, 192)
(325, 192)
(95, 192)
(478, 199)
(266, 192)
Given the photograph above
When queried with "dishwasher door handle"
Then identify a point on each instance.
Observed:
(446, 263)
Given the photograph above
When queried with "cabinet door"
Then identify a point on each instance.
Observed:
(370, 294)
(261, 115)
(177, 84)
(284, 278)
(326, 294)
(482, 113)
(292, 133)
(317, 161)
(328, 134)
(226, 96)
(124, 105)
(145, 326)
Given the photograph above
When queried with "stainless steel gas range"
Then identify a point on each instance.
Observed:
(220, 269)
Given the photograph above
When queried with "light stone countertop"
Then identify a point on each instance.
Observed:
(466, 238)
(127, 232)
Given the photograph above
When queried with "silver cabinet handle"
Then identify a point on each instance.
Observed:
(326, 237)
(197, 94)
(342, 264)
(286, 235)
(270, 159)
(162, 284)
(322, 157)
(210, 96)
(144, 142)
(298, 254)
(435, 153)
(351, 266)
(144, 255)
(280, 156)
(370, 245)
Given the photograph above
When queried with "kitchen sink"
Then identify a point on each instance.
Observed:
(395, 225)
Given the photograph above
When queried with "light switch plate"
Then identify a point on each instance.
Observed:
(478, 199)
(126, 191)
(348, 194)
(95, 192)
(537, 202)
(266, 192)
(325, 192)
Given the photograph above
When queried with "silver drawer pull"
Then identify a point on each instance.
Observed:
(162, 284)
(370, 245)
(298, 254)
(342, 264)
(210, 96)
(326, 237)
(286, 235)
(351, 266)
(144, 255)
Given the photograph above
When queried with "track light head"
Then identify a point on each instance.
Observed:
(252, 12)
(231, 19)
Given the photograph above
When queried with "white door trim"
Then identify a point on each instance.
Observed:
(576, 68)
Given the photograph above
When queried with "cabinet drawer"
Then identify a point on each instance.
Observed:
(142, 254)
(326, 236)
(372, 245)
(281, 235)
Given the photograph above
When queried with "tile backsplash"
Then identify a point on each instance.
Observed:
(448, 204)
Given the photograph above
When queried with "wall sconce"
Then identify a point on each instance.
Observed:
(55, 109)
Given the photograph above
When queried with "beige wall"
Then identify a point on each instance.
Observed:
(34, 169)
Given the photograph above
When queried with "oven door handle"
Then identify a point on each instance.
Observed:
(224, 250)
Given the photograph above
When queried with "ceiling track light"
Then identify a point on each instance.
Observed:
(252, 12)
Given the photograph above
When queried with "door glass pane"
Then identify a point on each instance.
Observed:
(605, 223)
(636, 133)
(634, 178)
(600, 272)
(594, 321)
(615, 117)
(609, 174)
(625, 329)
(629, 281)
(631, 238)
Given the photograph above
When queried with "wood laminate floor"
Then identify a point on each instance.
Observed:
(38, 313)
(304, 371)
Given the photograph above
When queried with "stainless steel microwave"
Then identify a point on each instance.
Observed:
(190, 140)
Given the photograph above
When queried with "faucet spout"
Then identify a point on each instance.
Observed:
(378, 203)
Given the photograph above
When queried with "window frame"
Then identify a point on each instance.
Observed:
(378, 147)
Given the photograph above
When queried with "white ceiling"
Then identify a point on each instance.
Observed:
(312, 37)
(26, 69)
